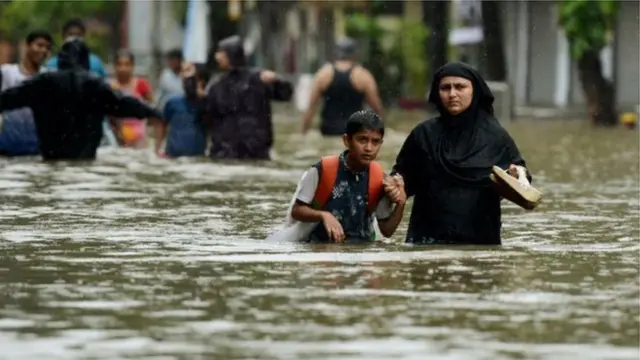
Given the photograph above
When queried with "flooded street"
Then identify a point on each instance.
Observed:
(136, 257)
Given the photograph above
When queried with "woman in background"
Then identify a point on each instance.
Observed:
(130, 132)
(183, 116)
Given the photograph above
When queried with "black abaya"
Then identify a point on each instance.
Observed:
(446, 162)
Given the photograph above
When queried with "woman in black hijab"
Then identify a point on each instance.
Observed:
(238, 105)
(446, 162)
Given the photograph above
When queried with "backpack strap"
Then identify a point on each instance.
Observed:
(329, 166)
(376, 187)
(328, 173)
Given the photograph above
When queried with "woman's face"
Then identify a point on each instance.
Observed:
(456, 94)
(223, 60)
(124, 66)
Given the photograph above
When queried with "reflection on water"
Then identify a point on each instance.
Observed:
(139, 257)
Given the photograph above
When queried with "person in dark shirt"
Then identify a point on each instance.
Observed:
(446, 162)
(343, 86)
(238, 105)
(182, 114)
(69, 105)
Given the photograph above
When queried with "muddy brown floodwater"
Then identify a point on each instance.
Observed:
(134, 257)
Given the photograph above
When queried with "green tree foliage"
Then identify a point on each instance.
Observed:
(406, 56)
(413, 40)
(18, 17)
(588, 24)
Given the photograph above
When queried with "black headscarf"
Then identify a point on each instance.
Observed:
(74, 55)
(466, 146)
(234, 48)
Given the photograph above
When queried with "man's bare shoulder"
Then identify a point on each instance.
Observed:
(362, 73)
(324, 75)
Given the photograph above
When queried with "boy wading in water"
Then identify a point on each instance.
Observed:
(344, 192)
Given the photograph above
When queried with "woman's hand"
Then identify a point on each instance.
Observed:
(513, 171)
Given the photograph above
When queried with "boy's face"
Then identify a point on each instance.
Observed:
(364, 145)
(38, 50)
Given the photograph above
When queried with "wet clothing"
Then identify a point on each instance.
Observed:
(96, 67)
(18, 135)
(348, 202)
(133, 131)
(68, 107)
(187, 135)
(446, 162)
(169, 85)
(238, 108)
(341, 99)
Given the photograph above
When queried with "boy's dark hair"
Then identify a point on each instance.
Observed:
(174, 54)
(364, 120)
(39, 34)
(73, 23)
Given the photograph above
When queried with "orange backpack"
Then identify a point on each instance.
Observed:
(329, 173)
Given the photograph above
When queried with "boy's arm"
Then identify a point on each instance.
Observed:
(389, 216)
(302, 209)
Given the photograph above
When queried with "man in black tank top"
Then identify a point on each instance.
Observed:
(344, 86)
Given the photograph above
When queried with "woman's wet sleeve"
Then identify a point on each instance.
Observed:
(21, 96)
(281, 90)
(406, 164)
(208, 106)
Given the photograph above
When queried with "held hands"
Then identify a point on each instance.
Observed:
(394, 188)
(333, 227)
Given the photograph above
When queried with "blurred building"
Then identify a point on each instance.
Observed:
(296, 37)
(540, 67)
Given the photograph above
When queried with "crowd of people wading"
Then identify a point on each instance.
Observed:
(64, 107)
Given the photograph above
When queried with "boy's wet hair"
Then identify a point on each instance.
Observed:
(364, 120)
(39, 34)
